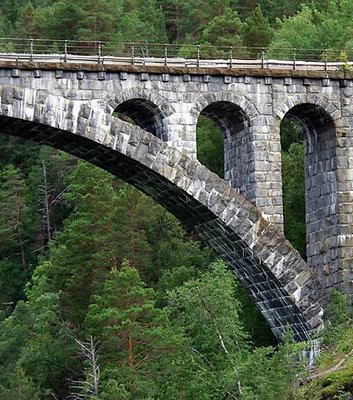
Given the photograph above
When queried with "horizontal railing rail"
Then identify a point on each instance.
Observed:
(185, 55)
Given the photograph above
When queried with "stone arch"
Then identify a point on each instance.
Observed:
(317, 122)
(284, 288)
(330, 107)
(234, 115)
(133, 93)
(145, 108)
(241, 101)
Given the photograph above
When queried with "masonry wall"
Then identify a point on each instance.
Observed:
(252, 151)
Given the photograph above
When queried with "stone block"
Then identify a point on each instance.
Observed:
(247, 80)
(102, 75)
(59, 74)
(15, 73)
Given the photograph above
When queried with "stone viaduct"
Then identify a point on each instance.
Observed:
(70, 106)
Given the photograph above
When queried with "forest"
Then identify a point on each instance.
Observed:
(103, 294)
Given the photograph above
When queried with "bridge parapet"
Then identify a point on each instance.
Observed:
(174, 55)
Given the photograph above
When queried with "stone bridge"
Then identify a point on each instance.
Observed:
(71, 106)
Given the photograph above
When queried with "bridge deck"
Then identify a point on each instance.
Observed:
(176, 68)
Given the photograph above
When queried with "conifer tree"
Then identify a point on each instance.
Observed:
(15, 228)
(138, 345)
(256, 30)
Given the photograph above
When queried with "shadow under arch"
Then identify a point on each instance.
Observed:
(234, 124)
(320, 187)
(144, 113)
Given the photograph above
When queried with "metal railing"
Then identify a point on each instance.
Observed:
(182, 55)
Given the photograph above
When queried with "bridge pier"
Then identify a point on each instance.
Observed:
(266, 177)
(344, 154)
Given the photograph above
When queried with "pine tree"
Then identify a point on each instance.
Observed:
(137, 344)
(28, 25)
(223, 30)
(19, 387)
(256, 30)
(47, 356)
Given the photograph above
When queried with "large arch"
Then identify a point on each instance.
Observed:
(321, 192)
(284, 288)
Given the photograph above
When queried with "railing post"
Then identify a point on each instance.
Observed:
(65, 51)
(325, 59)
(263, 58)
(231, 57)
(198, 55)
(294, 58)
(165, 54)
(132, 53)
(99, 51)
(31, 46)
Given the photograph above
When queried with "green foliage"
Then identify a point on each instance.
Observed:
(223, 30)
(257, 31)
(19, 387)
(82, 224)
(63, 20)
(206, 305)
(29, 23)
(278, 9)
(15, 332)
(208, 312)
(15, 228)
(338, 311)
(299, 31)
(47, 353)
(137, 341)
(83, 251)
(210, 147)
(267, 374)
(334, 369)
(294, 196)
(18, 152)
(293, 185)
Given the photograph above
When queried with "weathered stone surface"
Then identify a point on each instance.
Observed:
(249, 108)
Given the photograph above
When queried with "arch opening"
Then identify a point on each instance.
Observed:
(309, 183)
(229, 140)
(145, 114)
